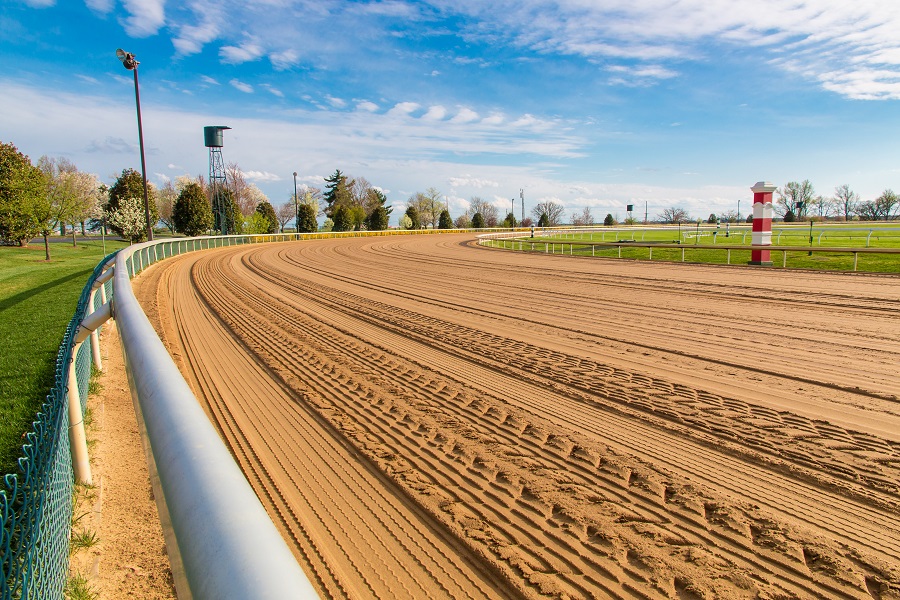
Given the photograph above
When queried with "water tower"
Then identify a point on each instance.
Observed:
(214, 137)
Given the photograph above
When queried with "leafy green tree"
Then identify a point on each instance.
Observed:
(130, 185)
(477, 221)
(328, 225)
(256, 223)
(268, 213)
(543, 220)
(357, 215)
(343, 220)
(712, 219)
(413, 213)
(509, 220)
(191, 214)
(444, 221)
(23, 201)
(609, 220)
(308, 222)
(377, 219)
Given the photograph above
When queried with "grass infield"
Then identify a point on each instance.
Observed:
(699, 245)
(37, 301)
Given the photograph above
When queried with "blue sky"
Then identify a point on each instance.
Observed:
(591, 104)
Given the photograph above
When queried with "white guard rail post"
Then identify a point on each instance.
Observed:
(228, 545)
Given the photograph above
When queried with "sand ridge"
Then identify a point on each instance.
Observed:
(421, 416)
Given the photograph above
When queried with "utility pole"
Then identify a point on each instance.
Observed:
(522, 196)
(645, 212)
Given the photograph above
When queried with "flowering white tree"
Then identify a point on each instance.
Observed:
(405, 222)
(129, 218)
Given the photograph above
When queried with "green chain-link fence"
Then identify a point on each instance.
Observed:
(36, 504)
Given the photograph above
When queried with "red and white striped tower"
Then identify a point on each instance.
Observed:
(762, 223)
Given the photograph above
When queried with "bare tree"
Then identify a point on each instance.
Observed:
(794, 197)
(550, 208)
(730, 216)
(165, 204)
(674, 214)
(237, 183)
(882, 208)
(845, 201)
(285, 213)
(584, 218)
(488, 211)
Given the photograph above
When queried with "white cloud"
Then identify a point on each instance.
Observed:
(435, 113)
(235, 55)
(435, 73)
(40, 3)
(272, 90)
(367, 106)
(103, 7)
(403, 109)
(145, 17)
(88, 79)
(464, 115)
(473, 182)
(261, 176)
(336, 102)
(209, 80)
(244, 87)
(494, 119)
(285, 59)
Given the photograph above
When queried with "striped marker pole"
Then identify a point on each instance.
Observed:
(762, 224)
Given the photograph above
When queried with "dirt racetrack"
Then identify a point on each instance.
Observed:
(424, 418)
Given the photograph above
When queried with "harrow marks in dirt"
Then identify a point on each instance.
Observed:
(424, 418)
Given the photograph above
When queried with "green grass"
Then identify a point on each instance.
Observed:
(698, 249)
(37, 301)
(78, 588)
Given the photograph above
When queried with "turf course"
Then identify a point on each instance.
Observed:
(37, 301)
(698, 244)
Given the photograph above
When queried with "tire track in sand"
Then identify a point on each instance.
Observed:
(354, 351)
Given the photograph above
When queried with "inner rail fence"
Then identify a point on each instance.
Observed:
(221, 542)
(553, 241)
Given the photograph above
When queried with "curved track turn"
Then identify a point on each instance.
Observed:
(426, 418)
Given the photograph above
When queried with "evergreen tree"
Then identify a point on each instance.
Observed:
(130, 184)
(337, 192)
(267, 211)
(477, 221)
(712, 218)
(413, 215)
(444, 221)
(343, 220)
(510, 220)
(544, 220)
(23, 203)
(308, 222)
(192, 214)
(609, 220)
(377, 219)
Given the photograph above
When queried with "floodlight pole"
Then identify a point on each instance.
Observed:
(296, 205)
(131, 64)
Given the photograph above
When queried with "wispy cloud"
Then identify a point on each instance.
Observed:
(272, 90)
(145, 17)
(235, 55)
(473, 182)
(243, 87)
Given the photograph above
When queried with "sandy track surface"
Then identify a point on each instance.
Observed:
(426, 418)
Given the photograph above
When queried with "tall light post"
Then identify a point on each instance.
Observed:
(296, 205)
(131, 64)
